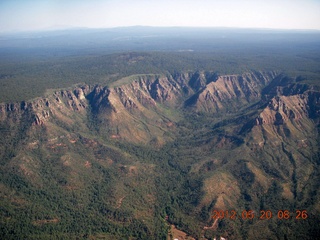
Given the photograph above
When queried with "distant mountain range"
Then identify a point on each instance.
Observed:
(158, 38)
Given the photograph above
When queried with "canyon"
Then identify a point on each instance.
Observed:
(179, 145)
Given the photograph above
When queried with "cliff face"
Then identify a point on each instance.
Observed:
(135, 111)
(283, 140)
(283, 109)
(126, 111)
(146, 108)
(231, 91)
(142, 108)
(60, 104)
(289, 116)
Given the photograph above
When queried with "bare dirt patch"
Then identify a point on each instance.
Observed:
(175, 234)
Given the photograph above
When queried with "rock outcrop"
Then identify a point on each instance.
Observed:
(59, 104)
(281, 109)
(231, 91)
(141, 108)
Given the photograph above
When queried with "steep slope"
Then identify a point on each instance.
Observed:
(117, 161)
(230, 92)
(269, 163)
(140, 108)
(138, 111)
(56, 173)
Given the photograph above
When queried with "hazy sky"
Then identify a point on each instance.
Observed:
(43, 14)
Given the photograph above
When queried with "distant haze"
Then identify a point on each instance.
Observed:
(25, 15)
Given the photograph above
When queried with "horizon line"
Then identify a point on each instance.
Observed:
(53, 29)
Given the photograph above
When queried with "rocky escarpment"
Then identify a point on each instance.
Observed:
(283, 141)
(287, 117)
(60, 104)
(127, 110)
(283, 85)
(278, 142)
(294, 109)
(132, 109)
(141, 108)
(231, 91)
(281, 109)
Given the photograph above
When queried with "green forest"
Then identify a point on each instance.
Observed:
(28, 73)
(142, 149)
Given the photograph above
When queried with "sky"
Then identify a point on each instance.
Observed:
(26, 15)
